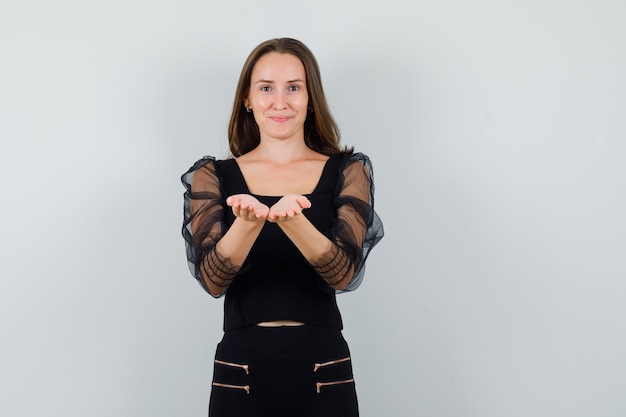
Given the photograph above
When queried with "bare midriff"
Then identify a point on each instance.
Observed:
(279, 323)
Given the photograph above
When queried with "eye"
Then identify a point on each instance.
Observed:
(265, 88)
(294, 88)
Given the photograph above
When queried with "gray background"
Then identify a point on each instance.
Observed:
(497, 133)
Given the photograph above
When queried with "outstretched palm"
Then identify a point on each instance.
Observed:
(247, 207)
(287, 207)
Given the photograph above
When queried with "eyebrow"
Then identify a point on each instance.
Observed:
(271, 82)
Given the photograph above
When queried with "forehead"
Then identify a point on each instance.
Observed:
(275, 66)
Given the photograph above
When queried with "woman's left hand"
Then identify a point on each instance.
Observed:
(288, 207)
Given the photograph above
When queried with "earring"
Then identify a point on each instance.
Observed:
(248, 109)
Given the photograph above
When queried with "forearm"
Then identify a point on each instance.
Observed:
(309, 241)
(330, 261)
(238, 240)
(221, 264)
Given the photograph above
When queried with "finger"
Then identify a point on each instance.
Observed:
(250, 216)
(303, 201)
(274, 216)
(255, 214)
(233, 200)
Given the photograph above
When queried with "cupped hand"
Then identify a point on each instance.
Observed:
(247, 207)
(288, 207)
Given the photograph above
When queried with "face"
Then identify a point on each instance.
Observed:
(278, 96)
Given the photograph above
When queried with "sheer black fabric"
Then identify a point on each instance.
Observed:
(203, 224)
(354, 229)
(357, 228)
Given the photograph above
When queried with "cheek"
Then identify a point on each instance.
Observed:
(266, 101)
(303, 102)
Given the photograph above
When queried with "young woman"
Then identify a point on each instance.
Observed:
(279, 229)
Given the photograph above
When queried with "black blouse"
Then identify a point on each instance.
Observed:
(276, 282)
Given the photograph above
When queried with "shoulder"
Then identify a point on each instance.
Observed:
(206, 168)
(349, 158)
(354, 170)
(355, 161)
(208, 162)
(205, 160)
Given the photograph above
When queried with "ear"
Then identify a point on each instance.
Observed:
(246, 102)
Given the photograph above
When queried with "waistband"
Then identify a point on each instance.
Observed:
(304, 337)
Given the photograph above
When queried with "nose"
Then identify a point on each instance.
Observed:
(280, 100)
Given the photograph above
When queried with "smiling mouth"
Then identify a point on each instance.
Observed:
(280, 119)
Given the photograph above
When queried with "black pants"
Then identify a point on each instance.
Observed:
(299, 371)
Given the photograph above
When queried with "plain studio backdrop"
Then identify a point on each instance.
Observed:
(498, 136)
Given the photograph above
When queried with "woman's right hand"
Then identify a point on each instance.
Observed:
(246, 207)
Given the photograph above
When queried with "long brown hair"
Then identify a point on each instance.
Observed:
(321, 132)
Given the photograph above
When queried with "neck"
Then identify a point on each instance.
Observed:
(282, 151)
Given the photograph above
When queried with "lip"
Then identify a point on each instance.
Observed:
(280, 119)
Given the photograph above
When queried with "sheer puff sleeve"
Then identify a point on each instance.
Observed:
(203, 226)
(357, 227)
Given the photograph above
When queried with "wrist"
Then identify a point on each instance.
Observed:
(248, 225)
(295, 222)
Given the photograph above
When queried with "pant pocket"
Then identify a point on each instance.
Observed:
(233, 392)
(320, 385)
(245, 388)
(231, 370)
(333, 367)
(333, 382)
